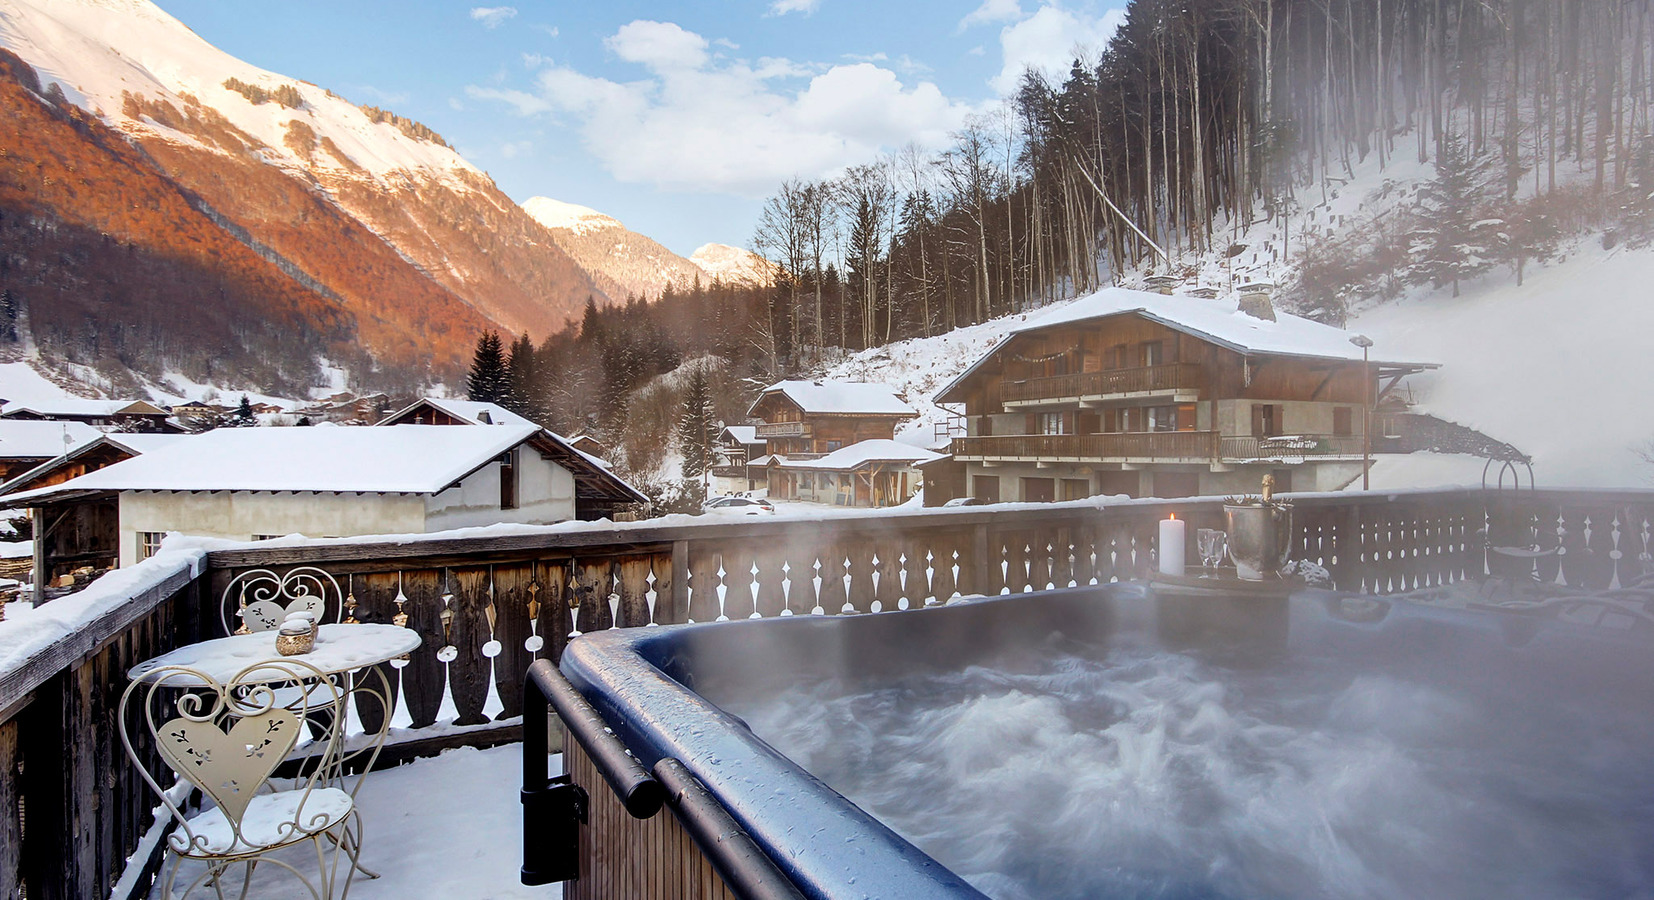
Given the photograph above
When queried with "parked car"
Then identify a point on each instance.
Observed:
(740, 506)
(965, 501)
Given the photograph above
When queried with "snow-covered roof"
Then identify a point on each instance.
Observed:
(840, 398)
(1218, 321)
(860, 454)
(30, 439)
(743, 434)
(420, 459)
(601, 478)
(78, 407)
(133, 444)
(466, 410)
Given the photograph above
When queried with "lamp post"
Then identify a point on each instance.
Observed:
(1365, 343)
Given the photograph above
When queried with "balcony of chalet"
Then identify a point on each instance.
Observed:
(784, 430)
(1175, 382)
(1154, 447)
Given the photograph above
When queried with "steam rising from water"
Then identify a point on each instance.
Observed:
(1141, 773)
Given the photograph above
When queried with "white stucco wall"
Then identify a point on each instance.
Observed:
(545, 494)
(239, 515)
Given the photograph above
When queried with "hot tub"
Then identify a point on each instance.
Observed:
(1108, 742)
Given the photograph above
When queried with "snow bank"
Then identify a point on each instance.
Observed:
(27, 631)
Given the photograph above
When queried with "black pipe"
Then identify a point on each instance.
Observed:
(750, 874)
(638, 791)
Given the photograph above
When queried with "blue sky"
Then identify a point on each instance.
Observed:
(675, 118)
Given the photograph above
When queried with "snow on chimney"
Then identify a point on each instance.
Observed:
(1255, 302)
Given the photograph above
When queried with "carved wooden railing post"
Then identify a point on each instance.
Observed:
(979, 562)
(677, 609)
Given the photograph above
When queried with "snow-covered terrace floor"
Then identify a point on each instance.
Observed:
(444, 828)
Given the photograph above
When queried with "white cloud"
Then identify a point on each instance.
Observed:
(548, 29)
(782, 7)
(1049, 40)
(514, 149)
(695, 122)
(535, 60)
(661, 46)
(992, 11)
(492, 16)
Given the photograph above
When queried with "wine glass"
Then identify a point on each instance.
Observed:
(1204, 540)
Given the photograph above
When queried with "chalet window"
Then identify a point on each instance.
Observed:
(265, 537)
(985, 487)
(1266, 419)
(834, 445)
(1162, 418)
(149, 543)
(1076, 488)
(1342, 420)
(1152, 353)
(1117, 356)
(508, 479)
(1052, 423)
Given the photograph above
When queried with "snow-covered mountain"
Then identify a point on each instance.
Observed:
(621, 262)
(367, 213)
(733, 265)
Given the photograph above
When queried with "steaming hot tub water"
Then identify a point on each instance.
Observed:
(1100, 742)
(1067, 770)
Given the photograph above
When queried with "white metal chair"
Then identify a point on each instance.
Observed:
(259, 599)
(227, 740)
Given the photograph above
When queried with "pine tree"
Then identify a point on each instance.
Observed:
(696, 426)
(1458, 240)
(244, 412)
(523, 378)
(8, 315)
(591, 327)
(489, 381)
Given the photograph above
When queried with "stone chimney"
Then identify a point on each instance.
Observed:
(1255, 302)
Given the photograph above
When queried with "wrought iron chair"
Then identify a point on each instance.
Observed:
(227, 740)
(259, 599)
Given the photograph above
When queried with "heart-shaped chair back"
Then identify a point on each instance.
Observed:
(259, 599)
(227, 739)
(229, 766)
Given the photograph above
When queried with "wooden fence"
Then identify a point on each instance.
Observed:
(512, 599)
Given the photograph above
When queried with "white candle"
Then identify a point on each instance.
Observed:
(1173, 532)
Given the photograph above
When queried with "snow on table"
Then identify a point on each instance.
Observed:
(339, 648)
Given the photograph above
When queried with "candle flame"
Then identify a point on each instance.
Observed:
(1174, 516)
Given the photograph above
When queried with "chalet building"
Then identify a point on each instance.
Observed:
(871, 473)
(599, 492)
(25, 444)
(134, 415)
(1144, 394)
(737, 448)
(804, 419)
(256, 483)
(589, 445)
(100, 453)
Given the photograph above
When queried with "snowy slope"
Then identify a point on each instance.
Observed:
(732, 265)
(99, 49)
(1560, 367)
(571, 216)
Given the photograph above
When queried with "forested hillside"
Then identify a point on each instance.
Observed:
(1204, 118)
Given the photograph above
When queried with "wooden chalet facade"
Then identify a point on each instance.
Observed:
(1128, 392)
(807, 419)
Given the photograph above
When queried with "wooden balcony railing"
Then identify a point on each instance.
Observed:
(72, 812)
(1157, 446)
(1175, 377)
(1290, 446)
(783, 430)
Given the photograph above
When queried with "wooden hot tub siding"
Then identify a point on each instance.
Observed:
(622, 858)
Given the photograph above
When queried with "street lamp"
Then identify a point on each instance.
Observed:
(1365, 343)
